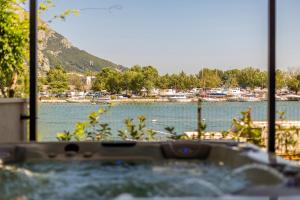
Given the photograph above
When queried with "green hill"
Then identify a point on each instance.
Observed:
(59, 51)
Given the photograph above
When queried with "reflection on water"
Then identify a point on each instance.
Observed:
(55, 118)
(95, 180)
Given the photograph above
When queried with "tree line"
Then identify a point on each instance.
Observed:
(136, 78)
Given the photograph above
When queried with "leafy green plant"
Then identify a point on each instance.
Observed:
(243, 128)
(173, 135)
(91, 130)
(79, 132)
(130, 132)
(65, 136)
(225, 134)
(286, 137)
(201, 129)
(14, 31)
(281, 115)
(104, 132)
(137, 131)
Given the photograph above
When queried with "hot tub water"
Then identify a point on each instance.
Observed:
(74, 180)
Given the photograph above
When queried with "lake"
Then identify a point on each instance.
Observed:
(218, 116)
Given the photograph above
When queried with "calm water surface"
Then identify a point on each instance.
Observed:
(218, 116)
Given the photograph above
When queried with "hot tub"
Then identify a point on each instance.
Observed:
(156, 170)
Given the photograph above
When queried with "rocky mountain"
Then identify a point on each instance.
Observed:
(55, 49)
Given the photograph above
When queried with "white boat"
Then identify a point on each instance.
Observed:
(293, 97)
(217, 93)
(243, 99)
(78, 100)
(252, 99)
(102, 100)
(179, 98)
(209, 99)
(248, 99)
(281, 98)
(235, 92)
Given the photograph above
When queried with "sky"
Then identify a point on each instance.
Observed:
(176, 35)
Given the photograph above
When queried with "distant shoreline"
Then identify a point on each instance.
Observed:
(141, 100)
(138, 100)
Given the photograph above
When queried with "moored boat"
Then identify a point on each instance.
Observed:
(250, 99)
(101, 100)
(179, 97)
(78, 100)
(281, 98)
(293, 97)
(209, 99)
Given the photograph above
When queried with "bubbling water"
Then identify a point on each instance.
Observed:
(96, 180)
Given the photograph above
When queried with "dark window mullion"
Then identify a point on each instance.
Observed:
(33, 70)
(272, 76)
